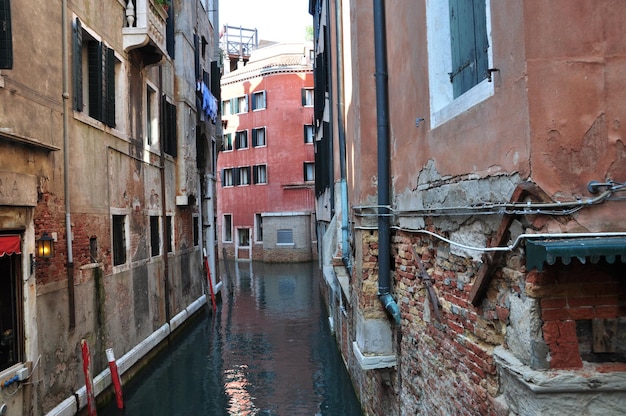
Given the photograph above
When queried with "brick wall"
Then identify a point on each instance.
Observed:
(571, 299)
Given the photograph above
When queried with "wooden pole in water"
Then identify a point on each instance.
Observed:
(91, 403)
(208, 273)
(115, 378)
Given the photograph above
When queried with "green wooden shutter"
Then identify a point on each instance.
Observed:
(303, 92)
(255, 134)
(109, 96)
(255, 174)
(6, 39)
(77, 66)
(94, 62)
(468, 41)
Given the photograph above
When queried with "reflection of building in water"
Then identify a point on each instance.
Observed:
(269, 313)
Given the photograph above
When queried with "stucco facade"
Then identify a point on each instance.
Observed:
(106, 148)
(266, 164)
(508, 191)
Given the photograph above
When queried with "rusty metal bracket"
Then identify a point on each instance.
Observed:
(428, 283)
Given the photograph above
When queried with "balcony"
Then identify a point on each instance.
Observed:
(145, 28)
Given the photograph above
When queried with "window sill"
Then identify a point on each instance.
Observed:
(463, 103)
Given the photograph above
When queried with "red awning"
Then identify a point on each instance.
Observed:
(10, 244)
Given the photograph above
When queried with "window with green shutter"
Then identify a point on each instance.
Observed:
(469, 44)
(6, 40)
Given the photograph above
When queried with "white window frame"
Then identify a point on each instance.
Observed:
(443, 105)
(262, 96)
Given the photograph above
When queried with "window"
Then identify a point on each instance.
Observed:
(155, 236)
(227, 228)
(258, 137)
(241, 105)
(227, 177)
(308, 134)
(226, 107)
(93, 249)
(168, 126)
(309, 171)
(94, 73)
(258, 227)
(152, 117)
(170, 234)
(241, 139)
(259, 174)
(284, 237)
(469, 45)
(458, 38)
(258, 100)
(11, 312)
(119, 239)
(243, 237)
(196, 231)
(6, 39)
(244, 175)
(228, 141)
(307, 97)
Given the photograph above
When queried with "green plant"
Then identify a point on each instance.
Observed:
(163, 2)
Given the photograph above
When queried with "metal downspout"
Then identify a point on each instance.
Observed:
(382, 118)
(345, 252)
(66, 169)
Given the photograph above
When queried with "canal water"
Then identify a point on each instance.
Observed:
(267, 350)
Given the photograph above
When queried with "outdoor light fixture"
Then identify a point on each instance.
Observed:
(45, 246)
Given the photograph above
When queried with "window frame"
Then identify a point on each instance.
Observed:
(257, 177)
(15, 287)
(244, 178)
(443, 105)
(228, 144)
(255, 137)
(155, 235)
(259, 96)
(6, 36)
(241, 139)
(241, 104)
(308, 97)
(228, 178)
(258, 227)
(119, 239)
(309, 171)
(282, 234)
(227, 228)
(309, 128)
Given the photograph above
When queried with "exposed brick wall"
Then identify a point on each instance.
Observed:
(573, 295)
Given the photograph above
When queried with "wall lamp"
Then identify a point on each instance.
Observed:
(45, 246)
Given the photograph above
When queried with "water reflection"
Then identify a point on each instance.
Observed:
(267, 351)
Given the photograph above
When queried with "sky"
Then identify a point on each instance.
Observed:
(276, 20)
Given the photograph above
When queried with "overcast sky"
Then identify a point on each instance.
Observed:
(277, 20)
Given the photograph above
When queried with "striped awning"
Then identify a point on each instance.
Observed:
(10, 244)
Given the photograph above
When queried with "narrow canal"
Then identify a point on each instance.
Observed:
(267, 350)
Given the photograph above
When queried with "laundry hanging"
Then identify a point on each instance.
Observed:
(209, 102)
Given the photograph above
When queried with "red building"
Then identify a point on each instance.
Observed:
(266, 165)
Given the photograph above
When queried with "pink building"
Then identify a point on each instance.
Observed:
(266, 165)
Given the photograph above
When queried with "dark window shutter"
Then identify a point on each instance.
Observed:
(236, 176)
(253, 102)
(223, 177)
(303, 92)
(255, 175)
(169, 32)
(94, 61)
(77, 66)
(6, 39)
(468, 36)
(196, 55)
(304, 132)
(110, 88)
(255, 133)
(216, 78)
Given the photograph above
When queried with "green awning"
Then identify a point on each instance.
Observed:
(584, 249)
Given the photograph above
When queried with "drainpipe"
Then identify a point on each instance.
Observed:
(382, 117)
(66, 170)
(345, 252)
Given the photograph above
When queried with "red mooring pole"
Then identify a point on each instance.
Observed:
(91, 403)
(115, 378)
(208, 273)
